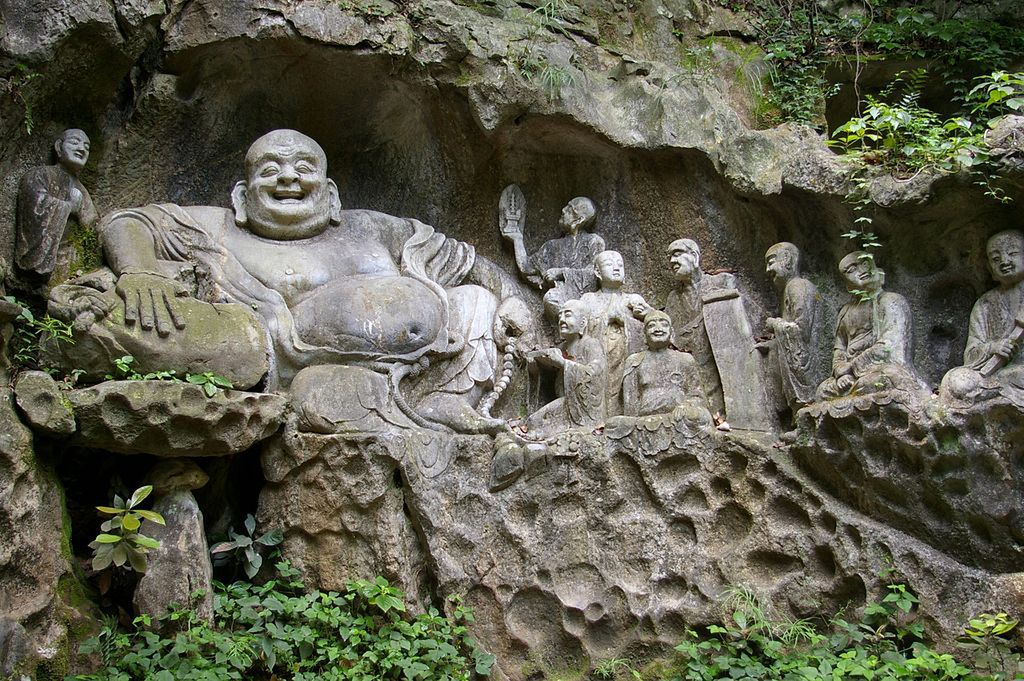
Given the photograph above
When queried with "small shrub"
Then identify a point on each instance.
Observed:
(277, 631)
(121, 543)
(30, 330)
(244, 549)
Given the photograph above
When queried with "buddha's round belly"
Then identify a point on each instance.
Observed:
(389, 315)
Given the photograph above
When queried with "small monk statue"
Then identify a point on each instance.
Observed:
(661, 379)
(793, 350)
(48, 196)
(562, 266)
(992, 358)
(583, 379)
(873, 348)
(615, 318)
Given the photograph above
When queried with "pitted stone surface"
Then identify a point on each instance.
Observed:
(43, 403)
(171, 418)
(602, 543)
(949, 476)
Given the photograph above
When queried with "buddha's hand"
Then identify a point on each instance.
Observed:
(150, 301)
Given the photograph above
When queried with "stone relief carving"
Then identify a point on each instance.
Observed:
(992, 359)
(562, 266)
(583, 375)
(872, 351)
(615, 318)
(661, 379)
(377, 297)
(48, 196)
(793, 349)
(711, 323)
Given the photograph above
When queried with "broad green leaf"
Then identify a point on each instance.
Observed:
(140, 495)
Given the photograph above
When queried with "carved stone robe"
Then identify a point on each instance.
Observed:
(993, 319)
(44, 206)
(796, 347)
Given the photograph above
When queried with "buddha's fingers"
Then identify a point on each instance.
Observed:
(147, 307)
(172, 310)
(131, 306)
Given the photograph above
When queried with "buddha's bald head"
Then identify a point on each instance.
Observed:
(286, 194)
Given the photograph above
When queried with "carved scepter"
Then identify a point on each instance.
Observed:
(997, 362)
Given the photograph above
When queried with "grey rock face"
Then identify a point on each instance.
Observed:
(181, 566)
(945, 475)
(172, 418)
(604, 542)
(34, 568)
(44, 404)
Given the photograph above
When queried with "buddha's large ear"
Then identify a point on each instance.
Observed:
(335, 202)
(238, 203)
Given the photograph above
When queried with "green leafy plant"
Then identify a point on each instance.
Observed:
(210, 382)
(121, 542)
(30, 330)
(276, 630)
(999, 92)
(609, 669)
(985, 637)
(124, 371)
(245, 548)
(885, 644)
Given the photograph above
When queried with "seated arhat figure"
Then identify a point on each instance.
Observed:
(992, 359)
(583, 375)
(355, 289)
(872, 350)
(661, 379)
(48, 197)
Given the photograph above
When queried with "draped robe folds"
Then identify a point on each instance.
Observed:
(620, 333)
(44, 206)
(796, 346)
(992, 320)
(196, 235)
(874, 337)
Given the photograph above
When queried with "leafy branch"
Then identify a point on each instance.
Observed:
(120, 541)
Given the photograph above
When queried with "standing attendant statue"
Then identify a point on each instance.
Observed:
(562, 266)
(48, 196)
(793, 349)
(615, 320)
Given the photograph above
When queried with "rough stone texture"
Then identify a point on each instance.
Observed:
(172, 418)
(181, 566)
(952, 477)
(425, 113)
(34, 568)
(606, 543)
(43, 403)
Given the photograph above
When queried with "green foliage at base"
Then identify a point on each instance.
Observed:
(887, 643)
(30, 331)
(278, 631)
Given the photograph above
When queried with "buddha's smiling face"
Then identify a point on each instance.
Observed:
(1006, 257)
(287, 193)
